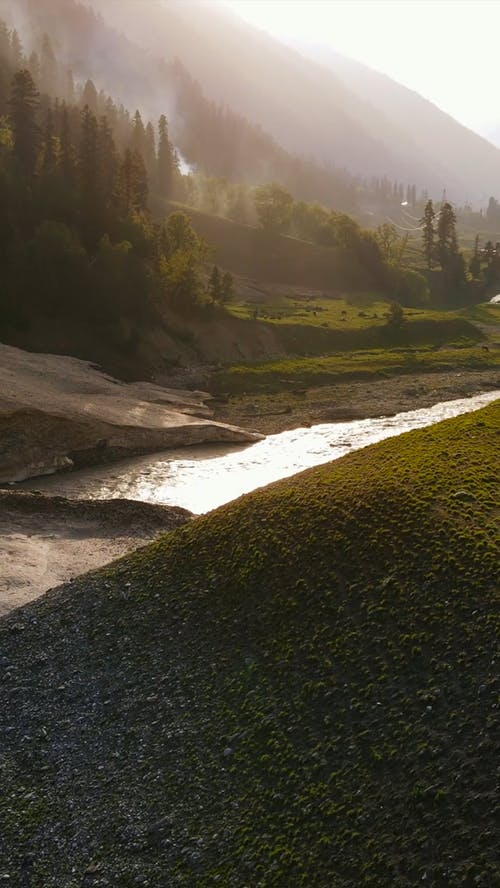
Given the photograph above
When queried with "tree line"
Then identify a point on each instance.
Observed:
(78, 243)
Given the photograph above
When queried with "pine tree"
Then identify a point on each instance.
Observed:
(107, 162)
(48, 68)
(49, 148)
(165, 160)
(429, 234)
(70, 86)
(89, 97)
(150, 153)
(34, 66)
(138, 139)
(133, 184)
(16, 50)
(447, 245)
(88, 164)
(475, 262)
(67, 150)
(23, 112)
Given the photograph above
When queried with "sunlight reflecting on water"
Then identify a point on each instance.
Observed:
(204, 477)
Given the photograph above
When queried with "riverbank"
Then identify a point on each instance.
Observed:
(47, 540)
(274, 413)
(297, 689)
(59, 413)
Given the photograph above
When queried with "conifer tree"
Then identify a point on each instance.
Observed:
(49, 150)
(16, 50)
(89, 97)
(133, 184)
(23, 112)
(165, 160)
(70, 86)
(107, 162)
(475, 262)
(48, 68)
(90, 197)
(447, 245)
(149, 153)
(429, 234)
(67, 150)
(34, 66)
(138, 139)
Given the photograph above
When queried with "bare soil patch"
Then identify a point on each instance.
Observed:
(46, 541)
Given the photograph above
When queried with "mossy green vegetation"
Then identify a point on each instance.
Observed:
(276, 376)
(297, 689)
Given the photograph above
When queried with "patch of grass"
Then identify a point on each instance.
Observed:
(368, 364)
(297, 689)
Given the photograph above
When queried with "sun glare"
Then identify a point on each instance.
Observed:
(440, 48)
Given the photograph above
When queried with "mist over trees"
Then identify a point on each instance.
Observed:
(86, 183)
(77, 239)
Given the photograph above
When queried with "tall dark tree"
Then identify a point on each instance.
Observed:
(451, 260)
(67, 149)
(475, 262)
(49, 146)
(447, 244)
(133, 184)
(89, 97)
(24, 103)
(48, 68)
(107, 162)
(16, 50)
(150, 153)
(88, 164)
(166, 163)
(138, 139)
(429, 234)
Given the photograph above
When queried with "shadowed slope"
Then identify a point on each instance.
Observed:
(297, 689)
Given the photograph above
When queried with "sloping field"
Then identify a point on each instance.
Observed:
(254, 253)
(295, 690)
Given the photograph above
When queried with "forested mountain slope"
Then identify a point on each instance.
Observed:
(217, 139)
(365, 126)
(435, 135)
(256, 105)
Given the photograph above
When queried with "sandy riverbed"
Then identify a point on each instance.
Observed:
(46, 541)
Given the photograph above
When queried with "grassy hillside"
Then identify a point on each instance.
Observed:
(297, 689)
(274, 258)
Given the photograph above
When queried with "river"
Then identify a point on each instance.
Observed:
(206, 476)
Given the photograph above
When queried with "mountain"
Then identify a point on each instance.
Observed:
(245, 106)
(315, 102)
(492, 133)
(461, 153)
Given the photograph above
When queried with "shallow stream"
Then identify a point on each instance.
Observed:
(206, 476)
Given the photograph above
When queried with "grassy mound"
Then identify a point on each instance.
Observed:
(297, 689)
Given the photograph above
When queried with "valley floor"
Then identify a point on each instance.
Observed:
(270, 414)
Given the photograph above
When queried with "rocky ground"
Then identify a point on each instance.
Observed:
(270, 414)
(45, 541)
(298, 689)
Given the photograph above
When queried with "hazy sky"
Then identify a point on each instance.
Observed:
(447, 50)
